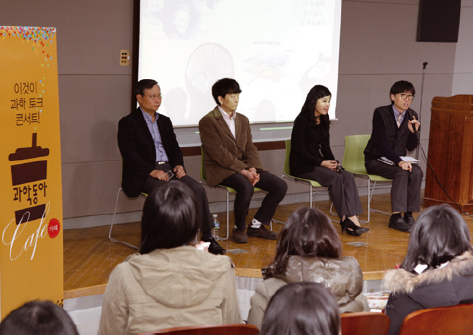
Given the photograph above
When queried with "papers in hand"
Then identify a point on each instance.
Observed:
(404, 158)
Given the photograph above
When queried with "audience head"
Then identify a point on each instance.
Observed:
(302, 308)
(439, 234)
(169, 217)
(317, 92)
(223, 87)
(307, 233)
(38, 318)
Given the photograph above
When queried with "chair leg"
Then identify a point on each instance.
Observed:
(310, 196)
(377, 210)
(113, 221)
(228, 220)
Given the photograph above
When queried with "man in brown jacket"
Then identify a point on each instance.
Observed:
(231, 159)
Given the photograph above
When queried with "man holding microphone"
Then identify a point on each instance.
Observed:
(394, 133)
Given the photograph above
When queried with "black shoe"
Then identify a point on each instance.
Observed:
(350, 228)
(409, 219)
(262, 232)
(398, 223)
(239, 236)
(214, 247)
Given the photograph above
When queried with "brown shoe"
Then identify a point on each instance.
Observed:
(239, 236)
(262, 232)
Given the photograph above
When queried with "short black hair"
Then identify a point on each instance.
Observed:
(223, 87)
(302, 308)
(144, 84)
(402, 86)
(38, 318)
(439, 234)
(169, 217)
(307, 233)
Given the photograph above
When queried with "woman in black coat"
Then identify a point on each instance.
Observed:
(312, 158)
(437, 270)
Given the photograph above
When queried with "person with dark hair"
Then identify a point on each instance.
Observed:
(312, 158)
(38, 318)
(152, 156)
(231, 159)
(170, 283)
(309, 249)
(437, 270)
(302, 309)
(394, 133)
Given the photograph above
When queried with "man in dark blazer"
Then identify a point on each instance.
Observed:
(231, 159)
(152, 156)
(394, 133)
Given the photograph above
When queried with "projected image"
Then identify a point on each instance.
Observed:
(276, 49)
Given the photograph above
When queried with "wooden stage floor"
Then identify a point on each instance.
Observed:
(89, 256)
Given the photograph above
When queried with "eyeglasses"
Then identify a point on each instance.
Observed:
(408, 97)
(153, 97)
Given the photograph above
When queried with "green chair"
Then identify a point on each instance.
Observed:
(354, 162)
(312, 183)
(229, 190)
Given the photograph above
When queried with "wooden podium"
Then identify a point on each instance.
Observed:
(451, 152)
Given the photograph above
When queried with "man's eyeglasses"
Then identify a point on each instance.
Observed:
(408, 97)
(153, 97)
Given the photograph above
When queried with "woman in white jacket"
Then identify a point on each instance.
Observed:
(170, 283)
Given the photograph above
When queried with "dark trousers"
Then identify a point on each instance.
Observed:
(405, 190)
(341, 187)
(200, 195)
(275, 186)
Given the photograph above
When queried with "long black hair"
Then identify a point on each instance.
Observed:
(317, 92)
(307, 233)
(439, 235)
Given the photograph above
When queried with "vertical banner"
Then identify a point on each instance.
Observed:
(31, 259)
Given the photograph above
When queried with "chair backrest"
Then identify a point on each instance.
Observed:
(441, 320)
(203, 176)
(286, 169)
(365, 323)
(230, 329)
(353, 157)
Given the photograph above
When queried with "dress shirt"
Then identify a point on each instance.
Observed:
(154, 130)
(230, 120)
(398, 116)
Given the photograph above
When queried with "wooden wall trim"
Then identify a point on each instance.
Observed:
(261, 146)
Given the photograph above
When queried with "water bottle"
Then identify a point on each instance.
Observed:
(216, 227)
(197, 237)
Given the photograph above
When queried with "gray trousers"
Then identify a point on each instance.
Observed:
(405, 190)
(341, 187)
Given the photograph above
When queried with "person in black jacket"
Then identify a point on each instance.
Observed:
(312, 158)
(437, 270)
(152, 156)
(394, 132)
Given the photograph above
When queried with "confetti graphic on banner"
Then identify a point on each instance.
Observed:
(41, 37)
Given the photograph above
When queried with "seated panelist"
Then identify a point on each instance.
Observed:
(231, 159)
(152, 156)
(312, 158)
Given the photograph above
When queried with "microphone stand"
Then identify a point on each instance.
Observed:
(424, 65)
